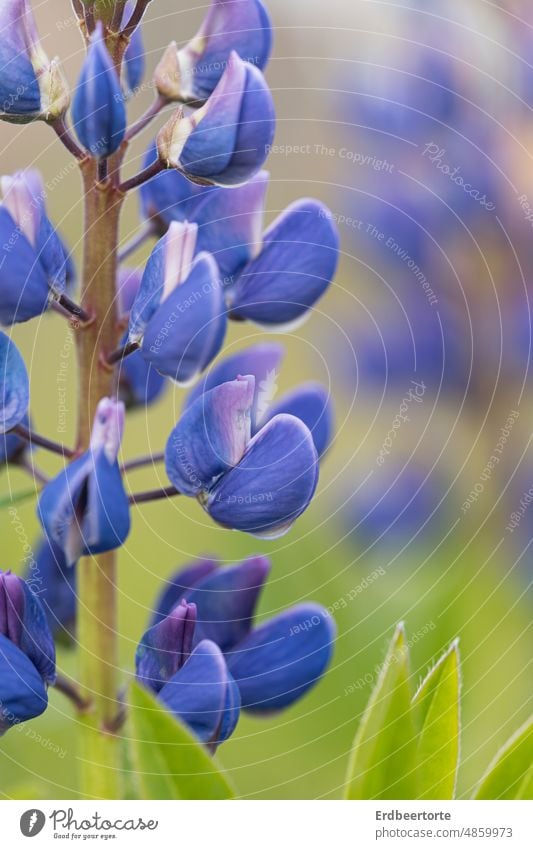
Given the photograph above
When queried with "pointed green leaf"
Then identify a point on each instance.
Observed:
(384, 749)
(509, 775)
(171, 763)
(436, 706)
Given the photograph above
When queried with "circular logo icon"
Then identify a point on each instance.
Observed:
(32, 822)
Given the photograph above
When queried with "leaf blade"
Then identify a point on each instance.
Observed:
(437, 705)
(508, 776)
(171, 763)
(383, 752)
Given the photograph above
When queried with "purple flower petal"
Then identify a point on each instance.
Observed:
(230, 225)
(273, 483)
(281, 660)
(22, 692)
(226, 601)
(293, 270)
(15, 387)
(179, 585)
(165, 647)
(262, 361)
(98, 111)
(240, 25)
(210, 437)
(310, 402)
(197, 693)
(188, 328)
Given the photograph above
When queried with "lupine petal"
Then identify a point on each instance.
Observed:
(36, 640)
(257, 126)
(179, 585)
(62, 505)
(23, 621)
(134, 63)
(168, 265)
(273, 483)
(24, 290)
(226, 601)
(85, 509)
(98, 111)
(19, 87)
(294, 268)
(310, 402)
(15, 387)
(22, 692)
(197, 692)
(243, 26)
(139, 383)
(107, 521)
(213, 137)
(169, 196)
(232, 710)
(279, 661)
(230, 225)
(262, 361)
(13, 447)
(165, 647)
(128, 284)
(24, 195)
(226, 141)
(55, 583)
(210, 437)
(11, 606)
(187, 330)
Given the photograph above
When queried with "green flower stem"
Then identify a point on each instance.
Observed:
(97, 633)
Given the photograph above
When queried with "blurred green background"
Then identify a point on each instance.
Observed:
(468, 578)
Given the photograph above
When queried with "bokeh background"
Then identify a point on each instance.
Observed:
(413, 121)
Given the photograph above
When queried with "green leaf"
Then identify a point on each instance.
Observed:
(171, 763)
(383, 754)
(509, 776)
(436, 706)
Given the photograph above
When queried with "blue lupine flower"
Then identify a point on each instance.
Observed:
(139, 382)
(273, 278)
(413, 343)
(229, 220)
(178, 314)
(133, 67)
(98, 110)
(54, 582)
(31, 87)
(190, 678)
(310, 402)
(227, 140)
(193, 72)
(398, 505)
(273, 664)
(168, 196)
(12, 447)
(258, 484)
(85, 510)
(27, 653)
(294, 266)
(34, 265)
(15, 387)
